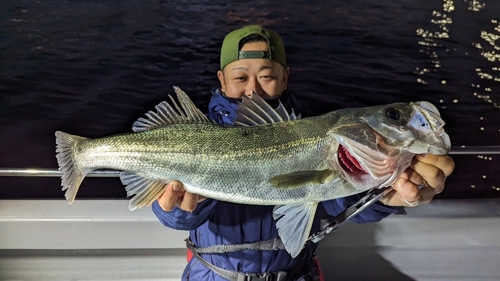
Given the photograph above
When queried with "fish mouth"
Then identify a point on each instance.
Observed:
(349, 163)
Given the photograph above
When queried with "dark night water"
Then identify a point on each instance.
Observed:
(92, 67)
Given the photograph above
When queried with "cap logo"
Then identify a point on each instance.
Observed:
(254, 55)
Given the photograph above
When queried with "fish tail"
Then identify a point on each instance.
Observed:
(72, 175)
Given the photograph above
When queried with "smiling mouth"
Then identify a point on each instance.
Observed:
(348, 162)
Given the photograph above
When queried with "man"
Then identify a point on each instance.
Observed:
(253, 62)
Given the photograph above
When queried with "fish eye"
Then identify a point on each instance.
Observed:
(392, 113)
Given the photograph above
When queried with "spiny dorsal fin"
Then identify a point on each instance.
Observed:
(165, 114)
(256, 111)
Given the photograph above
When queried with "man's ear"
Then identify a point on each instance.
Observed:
(285, 77)
(220, 75)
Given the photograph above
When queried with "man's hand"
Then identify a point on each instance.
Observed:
(175, 195)
(427, 169)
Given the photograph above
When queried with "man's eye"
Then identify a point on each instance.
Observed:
(240, 78)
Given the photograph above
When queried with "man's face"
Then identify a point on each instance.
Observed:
(265, 77)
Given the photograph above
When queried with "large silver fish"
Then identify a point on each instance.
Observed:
(268, 158)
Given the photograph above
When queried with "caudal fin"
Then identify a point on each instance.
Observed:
(72, 176)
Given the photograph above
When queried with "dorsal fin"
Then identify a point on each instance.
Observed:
(256, 111)
(165, 114)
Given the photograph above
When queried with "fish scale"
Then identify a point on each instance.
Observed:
(164, 153)
(292, 164)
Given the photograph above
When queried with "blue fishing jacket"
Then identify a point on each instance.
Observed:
(216, 222)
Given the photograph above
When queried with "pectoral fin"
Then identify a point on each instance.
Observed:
(294, 225)
(146, 190)
(301, 178)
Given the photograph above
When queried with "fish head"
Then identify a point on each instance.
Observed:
(376, 144)
(415, 127)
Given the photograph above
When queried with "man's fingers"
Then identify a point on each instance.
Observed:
(433, 175)
(189, 202)
(442, 162)
(176, 186)
(412, 176)
(176, 195)
(428, 172)
(407, 190)
(403, 189)
(168, 199)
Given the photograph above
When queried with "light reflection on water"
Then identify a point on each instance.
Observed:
(490, 50)
(435, 44)
(94, 72)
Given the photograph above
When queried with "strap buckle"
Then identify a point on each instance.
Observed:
(267, 276)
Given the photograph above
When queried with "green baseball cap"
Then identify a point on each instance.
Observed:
(230, 46)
